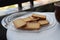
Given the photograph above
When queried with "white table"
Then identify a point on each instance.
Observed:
(51, 34)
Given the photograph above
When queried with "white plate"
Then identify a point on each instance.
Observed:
(9, 25)
(4, 23)
(48, 17)
(45, 35)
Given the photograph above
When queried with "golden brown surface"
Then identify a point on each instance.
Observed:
(19, 23)
(28, 19)
(32, 26)
(39, 16)
(43, 22)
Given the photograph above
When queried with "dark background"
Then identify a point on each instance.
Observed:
(10, 2)
(2, 30)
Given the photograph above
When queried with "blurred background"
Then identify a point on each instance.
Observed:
(39, 5)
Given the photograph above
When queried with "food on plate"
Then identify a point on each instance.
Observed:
(34, 19)
(28, 19)
(43, 22)
(39, 16)
(32, 26)
(19, 23)
(33, 22)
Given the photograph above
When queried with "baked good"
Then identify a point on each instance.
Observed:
(32, 26)
(34, 18)
(34, 22)
(43, 22)
(39, 16)
(19, 23)
(28, 19)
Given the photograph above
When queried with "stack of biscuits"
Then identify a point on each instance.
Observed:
(33, 22)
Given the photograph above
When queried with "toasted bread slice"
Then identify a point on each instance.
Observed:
(43, 22)
(19, 23)
(32, 26)
(39, 16)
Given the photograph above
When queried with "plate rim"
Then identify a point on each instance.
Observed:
(19, 12)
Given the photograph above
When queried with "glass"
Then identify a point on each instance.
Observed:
(57, 11)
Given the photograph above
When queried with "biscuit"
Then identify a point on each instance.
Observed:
(34, 22)
(19, 23)
(43, 22)
(32, 26)
(39, 16)
(35, 19)
(28, 19)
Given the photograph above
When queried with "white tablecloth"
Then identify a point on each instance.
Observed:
(51, 34)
